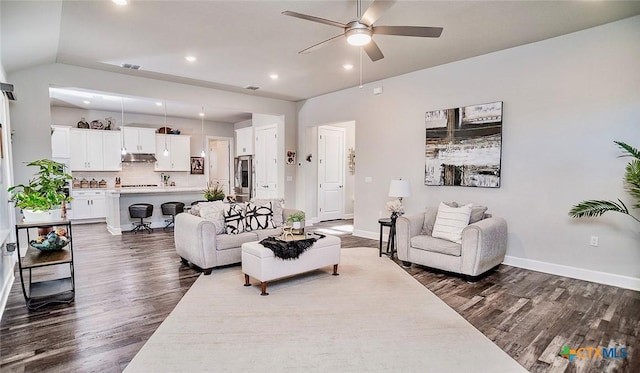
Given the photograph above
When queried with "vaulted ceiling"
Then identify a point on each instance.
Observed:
(240, 43)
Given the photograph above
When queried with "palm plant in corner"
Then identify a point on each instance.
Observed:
(593, 208)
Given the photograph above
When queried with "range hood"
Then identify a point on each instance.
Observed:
(130, 157)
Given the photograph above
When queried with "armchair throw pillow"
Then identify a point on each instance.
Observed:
(450, 221)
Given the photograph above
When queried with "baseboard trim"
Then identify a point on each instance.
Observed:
(371, 235)
(625, 282)
(347, 216)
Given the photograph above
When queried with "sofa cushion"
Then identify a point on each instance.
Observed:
(430, 218)
(231, 241)
(259, 216)
(450, 221)
(213, 211)
(477, 214)
(277, 204)
(436, 245)
(234, 218)
(264, 233)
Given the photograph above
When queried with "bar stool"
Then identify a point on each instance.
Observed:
(141, 211)
(196, 202)
(173, 209)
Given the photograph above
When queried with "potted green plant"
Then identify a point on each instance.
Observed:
(213, 192)
(296, 219)
(42, 198)
(632, 185)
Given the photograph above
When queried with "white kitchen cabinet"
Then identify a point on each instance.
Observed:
(179, 153)
(60, 142)
(87, 150)
(266, 162)
(139, 140)
(94, 150)
(244, 141)
(112, 156)
(89, 204)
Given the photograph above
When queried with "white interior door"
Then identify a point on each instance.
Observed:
(330, 173)
(219, 163)
(266, 162)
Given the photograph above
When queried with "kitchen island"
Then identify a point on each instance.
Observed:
(118, 201)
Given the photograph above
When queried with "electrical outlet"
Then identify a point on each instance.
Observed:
(594, 241)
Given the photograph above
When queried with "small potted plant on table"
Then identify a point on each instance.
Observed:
(296, 219)
(42, 199)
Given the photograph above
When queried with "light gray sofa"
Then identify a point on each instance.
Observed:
(198, 243)
(483, 247)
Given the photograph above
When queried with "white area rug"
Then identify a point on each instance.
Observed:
(373, 317)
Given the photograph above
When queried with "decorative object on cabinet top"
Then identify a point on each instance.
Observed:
(168, 131)
(97, 124)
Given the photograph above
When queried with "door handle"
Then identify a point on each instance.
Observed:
(340, 186)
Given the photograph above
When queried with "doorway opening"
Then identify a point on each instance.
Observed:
(220, 163)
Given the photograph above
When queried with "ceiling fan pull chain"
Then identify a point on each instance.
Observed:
(361, 67)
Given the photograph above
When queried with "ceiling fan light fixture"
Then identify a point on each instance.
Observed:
(358, 36)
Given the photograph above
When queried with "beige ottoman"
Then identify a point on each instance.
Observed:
(260, 263)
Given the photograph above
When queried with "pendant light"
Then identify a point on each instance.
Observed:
(202, 153)
(165, 152)
(123, 150)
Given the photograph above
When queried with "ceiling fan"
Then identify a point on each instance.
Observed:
(359, 31)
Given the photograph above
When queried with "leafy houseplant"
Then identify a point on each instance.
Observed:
(632, 185)
(213, 192)
(45, 191)
(296, 219)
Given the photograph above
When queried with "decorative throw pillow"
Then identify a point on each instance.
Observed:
(277, 204)
(450, 221)
(212, 211)
(430, 218)
(195, 210)
(477, 214)
(234, 218)
(259, 216)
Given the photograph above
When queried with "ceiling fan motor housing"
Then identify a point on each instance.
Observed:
(358, 33)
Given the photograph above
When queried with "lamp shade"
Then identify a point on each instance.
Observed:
(399, 188)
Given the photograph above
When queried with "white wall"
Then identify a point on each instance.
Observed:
(32, 118)
(565, 101)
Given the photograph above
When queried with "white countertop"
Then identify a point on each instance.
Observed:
(169, 189)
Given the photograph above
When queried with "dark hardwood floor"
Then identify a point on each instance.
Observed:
(127, 285)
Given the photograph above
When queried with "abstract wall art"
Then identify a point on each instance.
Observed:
(464, 146)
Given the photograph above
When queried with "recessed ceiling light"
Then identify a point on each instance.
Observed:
(86, 102)
(273, 76)
(120, 2)
(190, 58)
(347, 66)
(158, 103)
(201, 114)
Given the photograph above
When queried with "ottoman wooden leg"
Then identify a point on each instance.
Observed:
(335, 270)
(263, 287)
(246, 280)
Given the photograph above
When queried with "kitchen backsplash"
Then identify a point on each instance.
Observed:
(142, 173)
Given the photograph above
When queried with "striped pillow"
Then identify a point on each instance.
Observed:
(450, 221)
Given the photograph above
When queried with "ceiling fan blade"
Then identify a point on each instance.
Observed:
(373, 51)
(314, 19)
(427, 32)
(375, 11)
(319, 45)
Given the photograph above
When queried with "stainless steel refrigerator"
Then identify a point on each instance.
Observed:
(244, 176)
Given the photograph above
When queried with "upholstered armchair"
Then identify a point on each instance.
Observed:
(482, 247)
